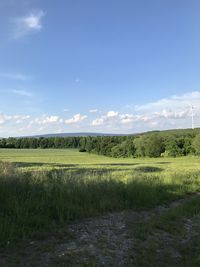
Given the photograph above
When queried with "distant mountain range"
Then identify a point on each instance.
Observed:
(74, 135)
(196, 130)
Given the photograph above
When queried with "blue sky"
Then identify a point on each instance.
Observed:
(102, 66)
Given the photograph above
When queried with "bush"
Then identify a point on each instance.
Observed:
(82, 150)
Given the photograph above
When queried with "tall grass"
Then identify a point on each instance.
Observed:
(31, 203)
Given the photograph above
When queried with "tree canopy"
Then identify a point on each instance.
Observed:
(151, 144)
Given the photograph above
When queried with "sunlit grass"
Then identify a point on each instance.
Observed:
(46, 159)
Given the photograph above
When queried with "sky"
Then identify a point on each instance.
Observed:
(111, 66)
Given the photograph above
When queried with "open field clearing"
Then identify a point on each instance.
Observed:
(38, 159)
(65, 208)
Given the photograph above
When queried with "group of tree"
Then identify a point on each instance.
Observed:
(172, 143)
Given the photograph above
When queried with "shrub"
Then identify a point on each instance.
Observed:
(82, 150)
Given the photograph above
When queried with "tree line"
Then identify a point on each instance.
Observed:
(172, 143)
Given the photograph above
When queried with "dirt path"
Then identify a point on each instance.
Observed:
(101, 241)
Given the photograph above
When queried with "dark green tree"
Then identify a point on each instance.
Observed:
(196, 144)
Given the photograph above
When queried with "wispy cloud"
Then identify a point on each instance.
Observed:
(28, 24)
(172, 112)
(93, 110)
(15, 76)
(21, 92)
(176, 102)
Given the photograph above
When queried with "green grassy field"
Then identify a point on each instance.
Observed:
(41, 191)
(30, 159)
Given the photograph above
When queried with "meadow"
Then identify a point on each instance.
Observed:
(48, 159)
(42, 190)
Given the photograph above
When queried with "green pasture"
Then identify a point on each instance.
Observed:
(38, 159)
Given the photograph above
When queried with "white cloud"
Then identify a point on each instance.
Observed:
(45, 120)
(127, 118)
(14, 118)
(28, 24)
(21, 92)
(17, 125)
(176, 113)
(15, 76)
(112, 114)
(4, 118)
(98, 121)
(172, 112)
(20, 119)
(76, 118)
(52, 119)
(65, 109)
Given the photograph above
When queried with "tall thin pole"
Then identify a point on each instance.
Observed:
(192, 109)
